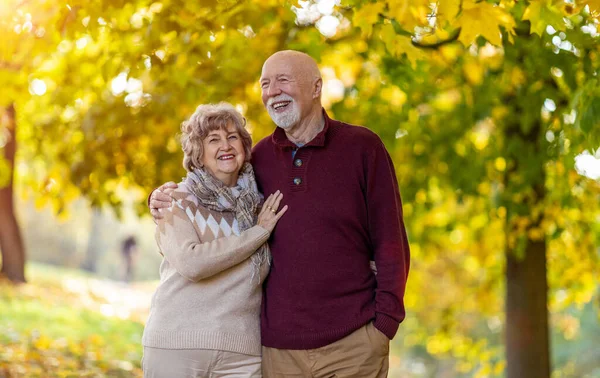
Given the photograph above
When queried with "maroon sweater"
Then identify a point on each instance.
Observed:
(344, 210)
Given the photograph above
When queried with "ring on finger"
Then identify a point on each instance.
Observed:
(273, 210)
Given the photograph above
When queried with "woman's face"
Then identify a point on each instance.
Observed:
(224, 154)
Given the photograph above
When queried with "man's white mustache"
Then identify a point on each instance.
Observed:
(281, 97)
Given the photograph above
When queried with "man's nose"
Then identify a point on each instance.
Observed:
(272, 89)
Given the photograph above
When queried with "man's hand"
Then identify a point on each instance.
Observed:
(161, 198)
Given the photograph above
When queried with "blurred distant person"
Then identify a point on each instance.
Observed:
(129, 252)
(205, 314)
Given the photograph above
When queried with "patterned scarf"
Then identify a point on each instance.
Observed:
(216, 196)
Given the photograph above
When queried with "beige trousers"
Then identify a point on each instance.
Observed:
(362, 354)
(199, 363)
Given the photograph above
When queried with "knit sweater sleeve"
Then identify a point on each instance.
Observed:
(196, 259)
(388, 238)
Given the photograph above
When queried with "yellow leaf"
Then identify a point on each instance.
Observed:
(594, 5)
(447, 10)
(517, 77)
(398, 45)
(447, 100)
(541, 14)
(500, 164)
(499, 368)
(5, 171)
(42, 343)
(40, 202)
(367, 16)
(394, 95)
(409, 13)
(96, 340)
(484, 19)
(474, 72)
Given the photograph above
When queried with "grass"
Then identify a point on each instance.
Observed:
(66, 323)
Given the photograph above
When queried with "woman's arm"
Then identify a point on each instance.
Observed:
(196, 260)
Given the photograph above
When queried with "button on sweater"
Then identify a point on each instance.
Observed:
(344, 210)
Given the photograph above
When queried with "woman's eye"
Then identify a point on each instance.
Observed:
(233, 137)
(213, 140)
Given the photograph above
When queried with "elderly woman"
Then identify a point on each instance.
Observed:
(204, 316)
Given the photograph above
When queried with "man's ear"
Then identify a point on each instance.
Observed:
(318, 86)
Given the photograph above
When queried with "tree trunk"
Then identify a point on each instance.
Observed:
(527, 340)
(11, 243)
(527, 335)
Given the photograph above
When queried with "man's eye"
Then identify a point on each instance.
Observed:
(264, 85)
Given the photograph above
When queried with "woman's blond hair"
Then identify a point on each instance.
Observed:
(207, 118)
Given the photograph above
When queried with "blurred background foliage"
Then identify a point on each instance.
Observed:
(490, 110)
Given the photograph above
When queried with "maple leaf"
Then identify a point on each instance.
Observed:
(409, 13)
(446, 11)
(398, 45)
(484, 19)
(541, 14)
(366, 16)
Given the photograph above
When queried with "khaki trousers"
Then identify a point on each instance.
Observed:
(199, 363)
(362, 354)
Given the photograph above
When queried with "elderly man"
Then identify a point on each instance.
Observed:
(325, 311)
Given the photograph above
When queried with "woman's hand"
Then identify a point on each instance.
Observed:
(268, 216)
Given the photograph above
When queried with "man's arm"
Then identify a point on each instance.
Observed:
(389, 240)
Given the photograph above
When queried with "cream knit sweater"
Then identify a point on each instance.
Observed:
(206, 298)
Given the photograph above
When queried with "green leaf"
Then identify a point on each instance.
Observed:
(541, 14)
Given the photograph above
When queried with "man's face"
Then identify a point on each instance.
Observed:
(286, 91)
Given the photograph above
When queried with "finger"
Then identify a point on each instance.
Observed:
(156, 204)
(281, 212)
(160, 196)
(273, 197)
(268, 201)
(156, 214)
(167, 185)
(265, 206)
(262, 211)
(276, 201)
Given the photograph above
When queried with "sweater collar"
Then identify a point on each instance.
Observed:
(281, 140)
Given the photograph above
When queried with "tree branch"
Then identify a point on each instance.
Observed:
(435, 45)
(10, 66)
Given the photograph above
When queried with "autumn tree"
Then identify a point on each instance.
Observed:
(30, 29)
(497, 100)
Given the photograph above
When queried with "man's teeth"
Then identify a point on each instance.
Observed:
(280, 105)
